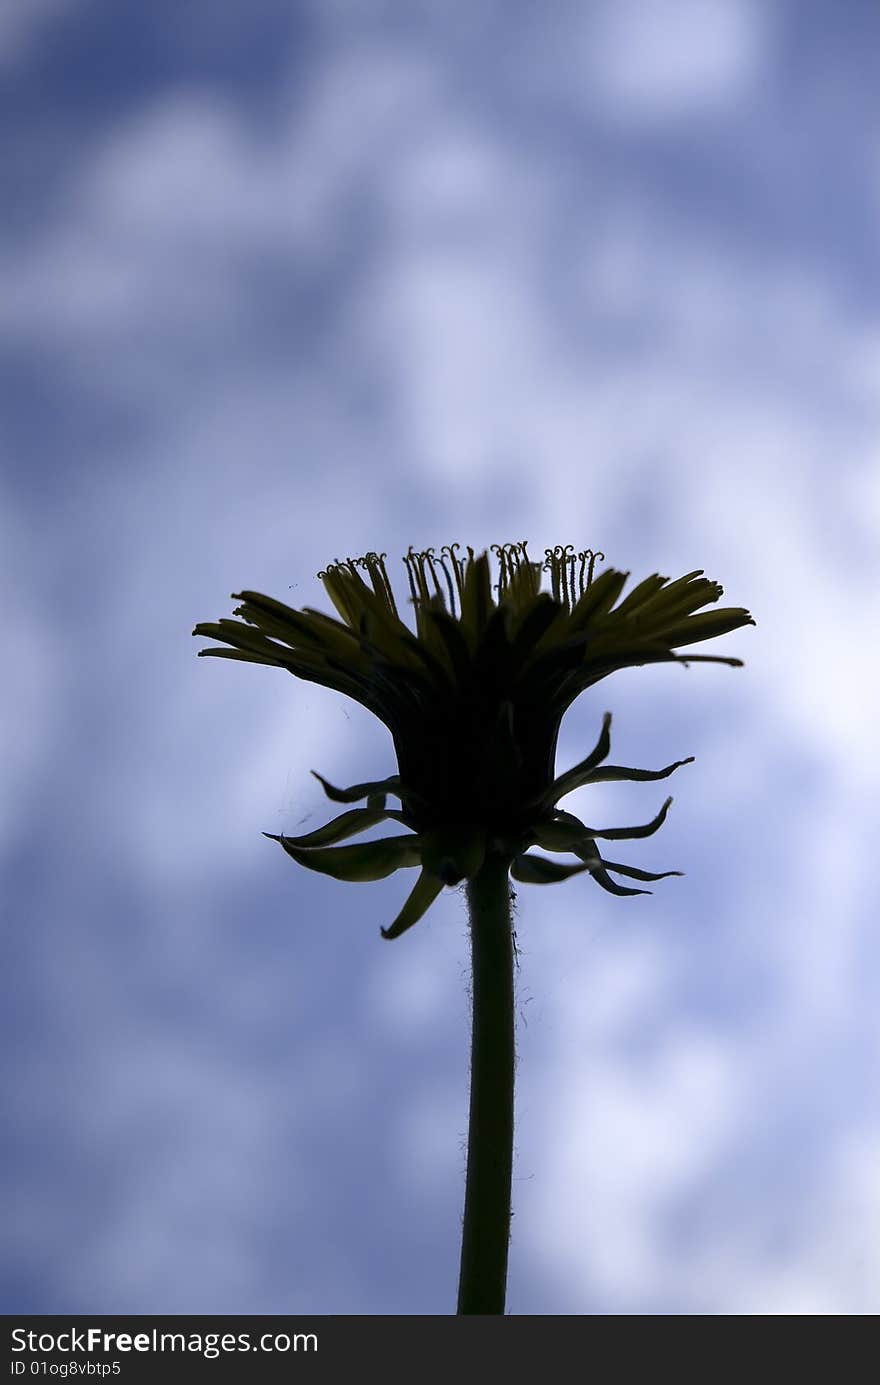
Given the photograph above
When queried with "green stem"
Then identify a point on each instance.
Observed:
(486, 1231)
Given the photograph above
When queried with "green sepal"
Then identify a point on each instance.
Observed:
(579, 774)
(453, 853)
(601, 877)
(620, 833)
(559, 835)
(589, 853)
(570, 834)
(359, 791)
(366, 861)
(635, 873)
(346, 825)
(536, 870)
(424, 892)
(614, 772)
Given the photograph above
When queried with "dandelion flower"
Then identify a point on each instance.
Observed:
(473, 699)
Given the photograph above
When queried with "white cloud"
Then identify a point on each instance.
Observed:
(204, 1141)
(184, 172)
(21, 22)
(178, 204)
(428, 1144)
(211, 752)
(34, 682)
(411, 990)
(618, 1143)
(656, 60)
(819, 1259)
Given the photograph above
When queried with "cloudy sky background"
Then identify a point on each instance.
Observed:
(282, 284)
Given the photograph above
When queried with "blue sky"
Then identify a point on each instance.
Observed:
(282, 284)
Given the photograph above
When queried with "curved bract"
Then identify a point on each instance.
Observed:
(474, 698)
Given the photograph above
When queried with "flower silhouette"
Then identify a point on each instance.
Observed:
(474, 700)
